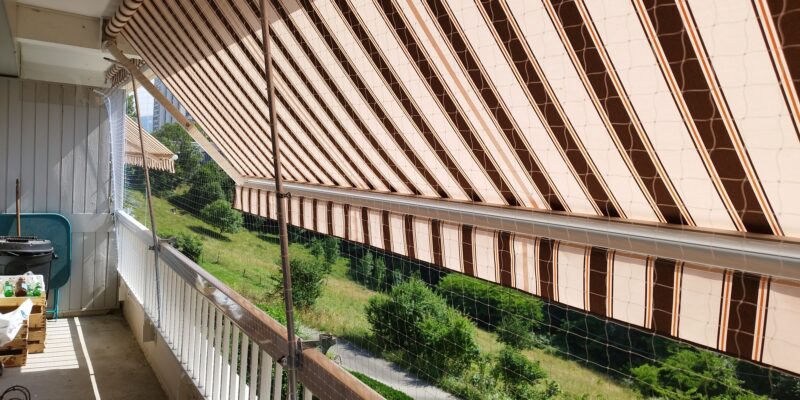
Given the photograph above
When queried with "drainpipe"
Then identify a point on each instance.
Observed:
(280, 196)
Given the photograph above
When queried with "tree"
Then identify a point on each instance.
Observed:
(130, 107)
(222, 216)
(190, 245)
(521, 376)
(361, 269)
(432, 338)
(331, 246)
(308, 275)
(691, 374)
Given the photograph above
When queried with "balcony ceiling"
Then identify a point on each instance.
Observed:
(56, 41)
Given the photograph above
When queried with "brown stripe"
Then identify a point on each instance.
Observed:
(561, 129)
(466, 250)
(436, 239)
(622, 122)
(409, 223)
(786, 18)
(682, 59)
(364, 90)
(399, 90)
(504, 259)
(329, 207)
(598, 280)
(365, 224)
(742, 314)
(663, 295)
(346, 221)
(314, 215)
(387, 231)
(440, 92)
(546, 268)
(494, 105)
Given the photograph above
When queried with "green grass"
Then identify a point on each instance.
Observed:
(248, 262)
(388, 392)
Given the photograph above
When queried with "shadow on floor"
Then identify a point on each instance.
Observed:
(87, 358)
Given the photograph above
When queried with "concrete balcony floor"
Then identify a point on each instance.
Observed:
(87, 358)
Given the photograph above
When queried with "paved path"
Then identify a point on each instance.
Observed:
(356, 359)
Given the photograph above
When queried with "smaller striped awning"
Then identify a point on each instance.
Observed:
(159, 156)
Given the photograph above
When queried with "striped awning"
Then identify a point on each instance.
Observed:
(159, 156)
(681, 113)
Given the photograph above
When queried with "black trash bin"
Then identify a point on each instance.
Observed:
(19, 255)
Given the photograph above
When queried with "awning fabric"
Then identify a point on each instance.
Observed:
(159, 156)
(682, 113)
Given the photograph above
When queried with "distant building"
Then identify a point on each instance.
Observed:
(160, 114)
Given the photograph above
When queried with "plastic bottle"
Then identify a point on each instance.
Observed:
(8, 289)
(37, 290)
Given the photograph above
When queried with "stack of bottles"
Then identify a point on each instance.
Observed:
(27, 285)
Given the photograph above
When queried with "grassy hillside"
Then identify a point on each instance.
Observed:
(247, 262)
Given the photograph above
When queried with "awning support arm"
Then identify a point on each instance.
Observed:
(292, 356)
(193, 131)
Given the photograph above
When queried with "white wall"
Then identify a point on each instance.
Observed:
(56, 138)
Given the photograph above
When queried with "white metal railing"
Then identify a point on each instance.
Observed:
(226, 345)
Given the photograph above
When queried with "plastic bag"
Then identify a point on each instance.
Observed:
(10, 323)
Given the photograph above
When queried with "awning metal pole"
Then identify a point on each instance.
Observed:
(156, 249)
(280, 195)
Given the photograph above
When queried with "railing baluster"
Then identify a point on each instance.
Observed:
(245, 350)
(277, 384)
(253, 371)
(210, 350)
(201, 376)
(225, 373)
(197, 335)
(186, 328)
(234, 384)
(190, 332)
(265, 386)
(217, 355)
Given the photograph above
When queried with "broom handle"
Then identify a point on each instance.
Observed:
(19, 227)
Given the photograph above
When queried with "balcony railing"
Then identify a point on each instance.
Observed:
(229, 347)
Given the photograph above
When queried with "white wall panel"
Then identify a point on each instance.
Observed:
(56, 138)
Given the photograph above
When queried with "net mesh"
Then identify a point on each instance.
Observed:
(653, 112)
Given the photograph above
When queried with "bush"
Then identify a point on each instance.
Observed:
(202, 194)
(222, 216)
(369, 270)
(432, 338)
(488, 303)
(190, 245)
(386, 391)
(521, 377)
(308, 275)
(330, 247)
(690, 374)
(515, 331)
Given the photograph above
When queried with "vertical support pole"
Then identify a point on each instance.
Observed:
(156, 248)
(19, 220)
(280, 195)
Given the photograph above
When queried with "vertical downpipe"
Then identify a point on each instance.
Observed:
(280, 195)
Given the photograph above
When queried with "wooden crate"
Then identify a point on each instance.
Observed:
(14, 354)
